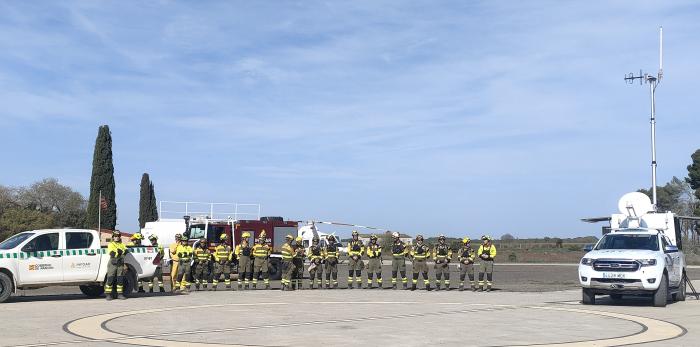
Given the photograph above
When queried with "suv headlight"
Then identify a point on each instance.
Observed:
(587, 261)
(647, 262)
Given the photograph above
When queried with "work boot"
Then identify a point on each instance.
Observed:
(240, 286)
(473, 288)
(488, 288)
(461, 287)
(121, 296)
(350, 285)
(205, 288)
(437, 286)
(393, 286)
(255, 286)
(141, 289)
(109, 297)
(267, 286)
(427, 287)
(162, 290)
(228, 287)
(150, 290)
(335, 286)
(405, 286)
(196, 287)
(413, 287)
(247, 286)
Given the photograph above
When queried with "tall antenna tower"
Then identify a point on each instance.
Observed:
(653, 81)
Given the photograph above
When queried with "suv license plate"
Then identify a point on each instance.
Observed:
(613, 275)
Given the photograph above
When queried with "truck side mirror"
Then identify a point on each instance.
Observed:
(588, 248)
(670, 249)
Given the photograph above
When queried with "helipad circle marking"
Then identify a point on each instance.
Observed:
(93, 327)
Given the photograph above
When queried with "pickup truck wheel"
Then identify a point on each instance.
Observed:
(661, 294)
(92, 291)
(5, 287)
(680, 296)
(129, 282)
(588, 297)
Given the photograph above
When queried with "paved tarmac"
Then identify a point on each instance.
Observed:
(348, 318)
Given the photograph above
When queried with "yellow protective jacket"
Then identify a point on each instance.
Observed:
(442, 253)
(184, 252)
(202, 254)
(243, 250)
(287, 252)
(116, 250)
(261, 251)
(420, 252)
(173, 251)
(400, 250)
(373, 251)
(330, 251)
(490, 251)
(222, 253)
(315, 253)
(355, 248)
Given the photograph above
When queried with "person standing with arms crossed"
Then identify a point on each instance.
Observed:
(466, 264)
(115, 267)
(443, 256)
(330, 257)
(374, 253)
(355, 264)
(244, 255)
(261, 252)
(486, 254)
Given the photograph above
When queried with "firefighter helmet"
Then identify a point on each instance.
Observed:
(246, 235)
(153, 237)
(373, 237)
(222, 237)
(184, 238)
(289, 237)
(395, 235)
(441, 237)
(419, 238)
(330, 237)
(137, 236)
(116, 233)
(315, 239)
(263, 234)
(355, 233)
(466, 240)
(298, 239)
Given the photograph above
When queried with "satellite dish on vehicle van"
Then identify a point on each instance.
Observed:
(635, 204)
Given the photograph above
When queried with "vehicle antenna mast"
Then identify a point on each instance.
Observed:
(653, 82)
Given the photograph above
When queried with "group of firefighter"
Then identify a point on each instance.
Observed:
(254, 262)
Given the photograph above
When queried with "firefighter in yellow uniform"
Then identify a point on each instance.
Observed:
(355, 264)
(159, 269)
(287, 263)
(466, 264)
(115, 267)
(261, 253)
(315, 268)
(174, 262)
(184, 255)
(420, 253)
(399, 252)
(330, 260)
(202, 256)
(374, 253)
(298, 261)
(486, 254)
(222, 263)
(244, 255)
(135, 241)
(443, 256)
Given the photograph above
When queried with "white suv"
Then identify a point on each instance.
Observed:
(633, 261)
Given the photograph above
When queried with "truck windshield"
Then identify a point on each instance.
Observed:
(627, 241)
(14, 241)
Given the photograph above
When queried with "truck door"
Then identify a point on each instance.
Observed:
(41, 261)
(80, 261)
(674, 271)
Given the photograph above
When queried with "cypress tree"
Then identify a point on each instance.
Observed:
(153, 205)
(102, 180)
(144, 200)
(148, 209)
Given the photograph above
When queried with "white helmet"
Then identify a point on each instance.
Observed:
(395, 234)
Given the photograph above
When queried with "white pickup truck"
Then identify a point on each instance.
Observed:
(640, 255)
(66, 257)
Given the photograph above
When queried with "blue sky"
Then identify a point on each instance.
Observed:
(461, 118)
